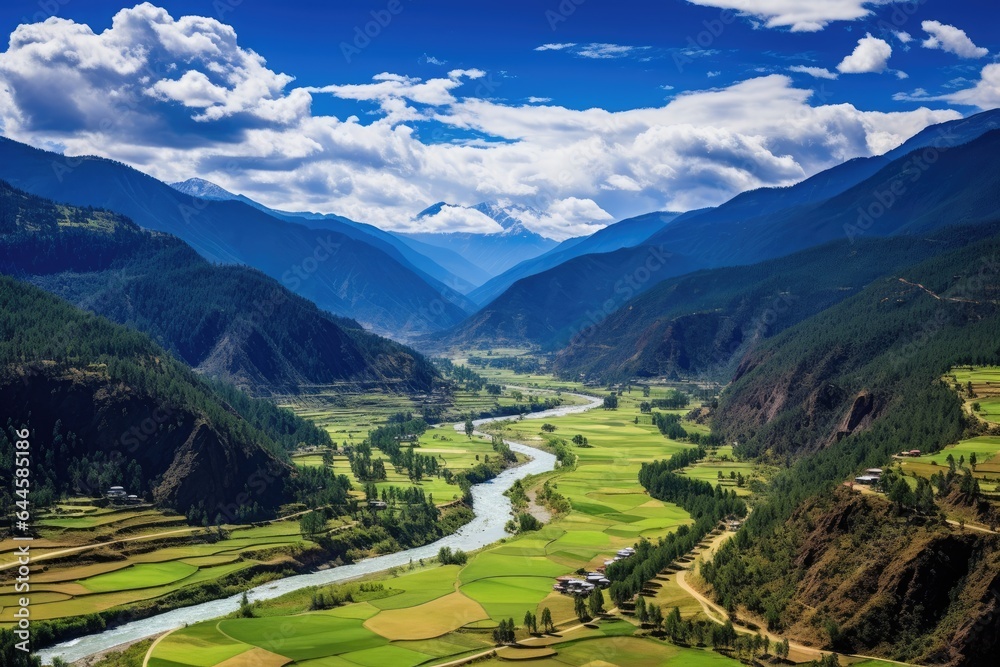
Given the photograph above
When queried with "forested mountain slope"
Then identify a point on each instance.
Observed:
(842, 391)
(701, 324)
(343, 275)
(231, 322)
(104, 406)
(553, 307)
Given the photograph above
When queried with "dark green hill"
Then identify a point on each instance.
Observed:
(106, 406)
(231, 322)
(701, 324)
(842, 391)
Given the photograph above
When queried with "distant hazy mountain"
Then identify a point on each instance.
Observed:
(551, 307)
(960, 185)
(441, 264)
(230, 322)
(341, 274)
(624, 234)
(771, 222)
(493, 253)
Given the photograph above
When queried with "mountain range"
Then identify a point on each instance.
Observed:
(230, 322)
(105, 398)
(442, 264)
(924, 188)
(340, 273)
(624, 234)
(494, 253)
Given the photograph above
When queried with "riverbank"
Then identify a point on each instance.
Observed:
(438, 614)
(492, 511)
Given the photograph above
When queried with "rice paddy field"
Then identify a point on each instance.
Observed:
(985, 395)
(986, 386)
(349, 418)
(434, 614)
(89, 559)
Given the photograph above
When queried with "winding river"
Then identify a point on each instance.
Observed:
(492, 510)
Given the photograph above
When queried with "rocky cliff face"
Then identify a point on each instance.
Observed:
(868, 581)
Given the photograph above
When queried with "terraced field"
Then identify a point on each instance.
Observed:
(986, 386)
(985, 382)
(984, 447)
(148, 554)
(435, 614)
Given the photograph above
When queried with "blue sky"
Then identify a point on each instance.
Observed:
(557, 109)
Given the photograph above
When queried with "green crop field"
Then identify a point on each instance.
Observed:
(144, 575)
(349, 418)
(175, 556)
(438, 613)
(984, 447)
(985, 381)
(420, 587)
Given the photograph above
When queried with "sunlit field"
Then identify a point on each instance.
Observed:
(433, 614)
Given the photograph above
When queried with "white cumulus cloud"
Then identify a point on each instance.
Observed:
(985, 94)
(567, 217)
(181, 97)
(799, 15)
(951, 39)
(870, 55)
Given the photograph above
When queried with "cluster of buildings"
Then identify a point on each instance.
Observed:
(574, 586)
(912, 452)
(872, 476)
(593, 580)
(118, 494)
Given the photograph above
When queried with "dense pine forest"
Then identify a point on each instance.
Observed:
(117, 408)
(843, 391)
